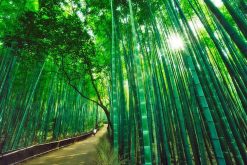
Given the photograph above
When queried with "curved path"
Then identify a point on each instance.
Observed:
(83, 152)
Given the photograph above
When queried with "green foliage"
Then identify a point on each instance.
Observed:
(106, 154)
(45, 52)
(67, 35)
(172, 73)
(32, 5)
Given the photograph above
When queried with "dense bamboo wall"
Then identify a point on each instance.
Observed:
(38, 106)
(179, 68)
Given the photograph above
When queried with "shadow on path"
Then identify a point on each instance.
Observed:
(83, 152)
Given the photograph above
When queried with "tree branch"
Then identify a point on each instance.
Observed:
(74, 87)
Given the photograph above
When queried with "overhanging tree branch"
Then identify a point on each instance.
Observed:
(100, 103)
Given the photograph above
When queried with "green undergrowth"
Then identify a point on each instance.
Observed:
(101, 124)
(105, 153)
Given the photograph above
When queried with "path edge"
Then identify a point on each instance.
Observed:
(18, 156)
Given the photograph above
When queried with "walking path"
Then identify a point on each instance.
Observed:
(83, 152)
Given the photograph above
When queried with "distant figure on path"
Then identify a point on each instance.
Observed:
(94, 131)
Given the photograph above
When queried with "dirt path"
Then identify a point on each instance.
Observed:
(83, 152)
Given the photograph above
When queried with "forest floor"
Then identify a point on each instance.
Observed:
(83, 152)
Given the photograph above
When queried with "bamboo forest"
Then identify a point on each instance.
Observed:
(167, 77)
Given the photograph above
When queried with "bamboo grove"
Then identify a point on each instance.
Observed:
(37, 102)
(179, 81)
(38, 106)
(169, 76)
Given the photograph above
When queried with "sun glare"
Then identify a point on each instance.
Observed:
(175, 42)
(195, 25)
(218, 3)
